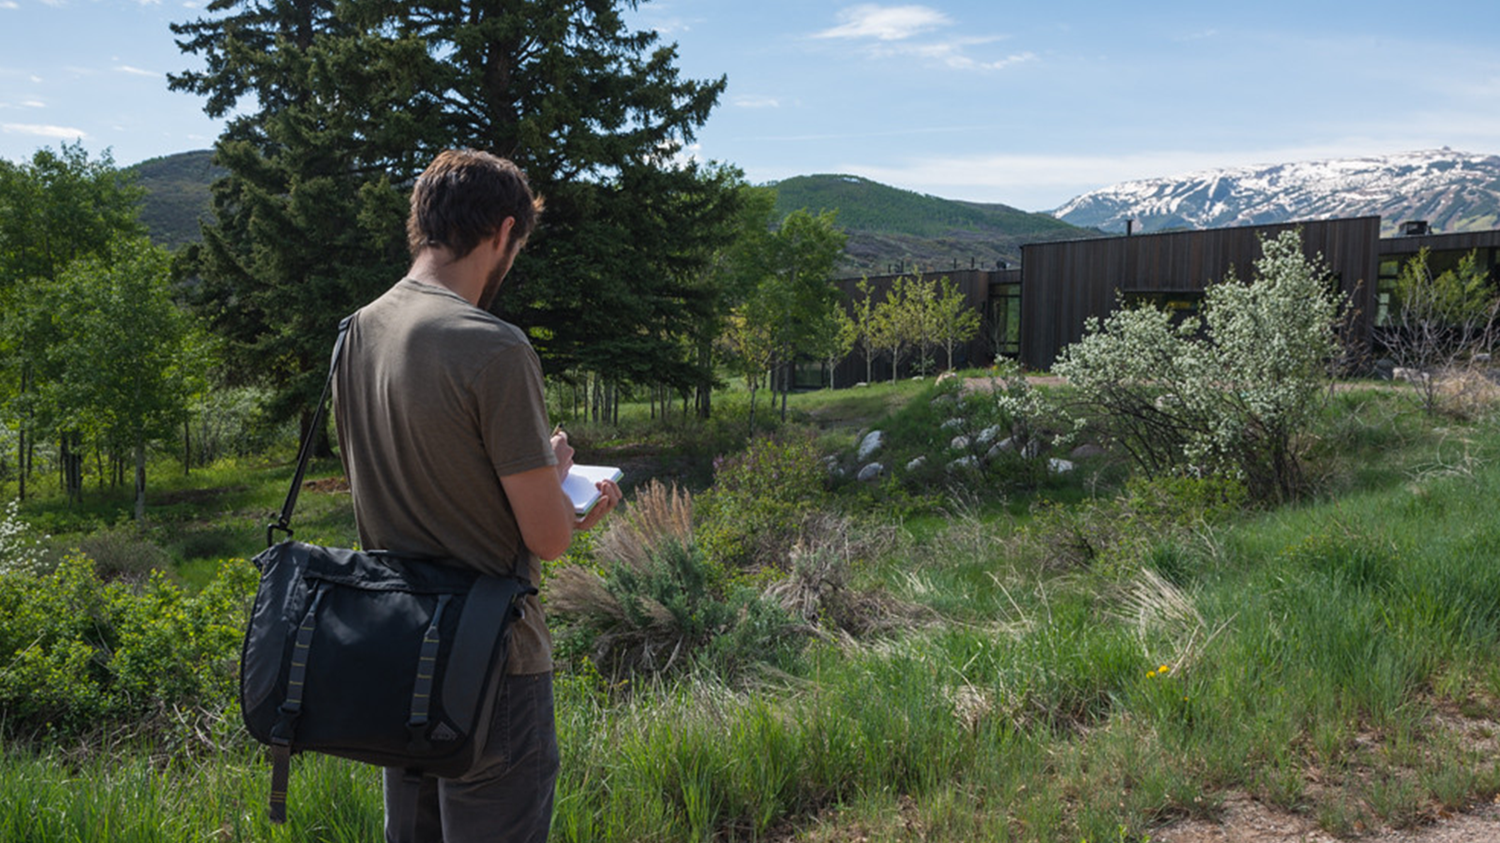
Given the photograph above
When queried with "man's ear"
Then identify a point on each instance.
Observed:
(502, 236)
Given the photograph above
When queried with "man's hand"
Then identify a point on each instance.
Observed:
(610, 497)
(564, 453)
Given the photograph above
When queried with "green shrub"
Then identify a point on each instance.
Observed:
(753, 514)
(1135, 529)
(668, 609)
(1234, 393)
(79, 653)
(20, 548)
(123, 552)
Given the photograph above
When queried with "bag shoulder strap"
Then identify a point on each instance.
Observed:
(283, 522)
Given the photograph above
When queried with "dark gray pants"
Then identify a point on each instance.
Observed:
(507, 797)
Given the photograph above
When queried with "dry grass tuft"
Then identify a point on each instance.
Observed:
(817, 589)
(1168, 626)
(1466, 393)
(658, 513)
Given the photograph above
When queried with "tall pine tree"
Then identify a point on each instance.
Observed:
(353, 97)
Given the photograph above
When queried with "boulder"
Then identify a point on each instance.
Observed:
(1058, 466)
(988, 435)
(952, 424)
(1029, 450)
(1402, 373)
(963, 464)
(869, 445)
(1086, 451)
(959, 443)
(870, 473)
(916, 463)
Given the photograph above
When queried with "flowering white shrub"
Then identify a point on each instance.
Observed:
(1233, 392)
(19, 550)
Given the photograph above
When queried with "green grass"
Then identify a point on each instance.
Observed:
(1309, 651)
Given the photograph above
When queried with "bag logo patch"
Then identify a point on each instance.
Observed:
(442, 733)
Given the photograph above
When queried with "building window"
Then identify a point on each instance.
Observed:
(1003, 320)
(1180, 303)
(1385, 290)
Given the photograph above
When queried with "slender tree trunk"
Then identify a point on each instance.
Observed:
(705, 384)
(23, 444)
(786, 386)
(140, 480)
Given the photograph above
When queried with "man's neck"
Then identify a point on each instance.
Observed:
(436, 267)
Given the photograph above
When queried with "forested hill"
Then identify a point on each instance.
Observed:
(889, 227)
(177, 195)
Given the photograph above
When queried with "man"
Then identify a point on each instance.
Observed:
(443, 432)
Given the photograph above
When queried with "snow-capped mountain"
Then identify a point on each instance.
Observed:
(1452, 191)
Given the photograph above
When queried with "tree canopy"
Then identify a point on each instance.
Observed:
(350, 99)
(57, 208)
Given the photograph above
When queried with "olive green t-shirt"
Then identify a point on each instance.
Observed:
(435, 400)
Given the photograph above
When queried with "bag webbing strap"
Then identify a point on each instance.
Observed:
(281, 770)
(421, 694)
(286, 725)
(283, 522)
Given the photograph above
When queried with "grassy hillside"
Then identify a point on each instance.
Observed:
(1086, 661)
(177, 195)
(887, 225)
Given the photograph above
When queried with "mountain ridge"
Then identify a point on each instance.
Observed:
(1450, 190)
(896, 230)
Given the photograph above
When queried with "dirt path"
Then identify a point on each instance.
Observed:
(1247, 821)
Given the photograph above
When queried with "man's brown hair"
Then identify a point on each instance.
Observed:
(464, 196)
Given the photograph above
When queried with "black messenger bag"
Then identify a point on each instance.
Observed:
(386, 659)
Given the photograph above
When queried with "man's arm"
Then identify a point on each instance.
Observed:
(543, 512)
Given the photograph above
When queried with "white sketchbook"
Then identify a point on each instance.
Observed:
(580, 485)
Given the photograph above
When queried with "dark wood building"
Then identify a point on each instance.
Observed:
(1444, 251)
(1033, 312)
(1063, 284)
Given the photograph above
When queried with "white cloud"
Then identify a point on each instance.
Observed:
(136, 71)
(953, 54)
(9, 4)
(885, 23)
(892, 31)
(58, 132)
(756, 102)
(34, 104)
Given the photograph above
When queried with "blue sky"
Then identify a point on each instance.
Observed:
(1028, 104)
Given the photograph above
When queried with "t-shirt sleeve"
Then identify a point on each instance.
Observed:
(513, 412)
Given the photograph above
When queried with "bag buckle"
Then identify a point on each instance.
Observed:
(271, 532)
